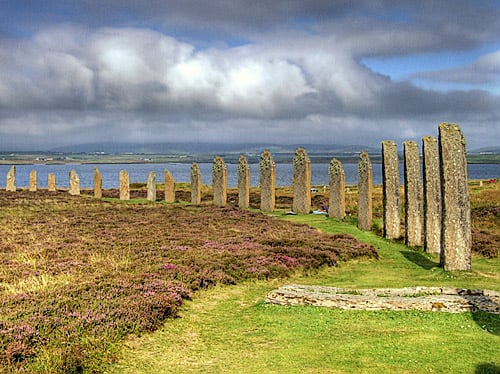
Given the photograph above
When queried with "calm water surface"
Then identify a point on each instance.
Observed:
(181, 173)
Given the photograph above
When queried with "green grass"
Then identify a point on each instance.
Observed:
(231, 329)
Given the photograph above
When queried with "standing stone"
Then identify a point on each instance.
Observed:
(124, 185)
(33, 177)
(169, 187)
(413, 195)
(151, 194)
(51, 182)
(243, 183)
(365, 191)
(219, 181)
(390, 190)
(267, 169)
(336, 208)
(432, 195)
(195, 184)
(11, 179)
(97, 183)
(301, 182)
(456, 235)
(74, 183)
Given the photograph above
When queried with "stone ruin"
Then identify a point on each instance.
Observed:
(195, 184)
(169, 186)
(413, 196)
(243, 183)
(390, 190)
(432, 195)
(267, 182)
(301, 182)
(151, 187)
(336, 203)
(51, 182)
(33, 180)
(219, 181)
(11, 180)
(124, 185)
(74, 183)
(97, 183)
(365, 192)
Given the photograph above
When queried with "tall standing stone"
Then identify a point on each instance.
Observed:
(365, 191)
(413, 194)
(219, 181)
(74, 183)
(301, 182)
(195, 184)
(336, 208)
(390, 190)
(124, 185)
(151, 186)
(11, 179)
(267, 169)
(97, 183)
(51, 182)
(243, 183)
(169, 186)
(33, 180)
(456, 235)
(432, 195)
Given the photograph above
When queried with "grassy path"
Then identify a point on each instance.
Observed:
(230, 329)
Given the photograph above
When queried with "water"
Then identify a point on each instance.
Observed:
(181, 173)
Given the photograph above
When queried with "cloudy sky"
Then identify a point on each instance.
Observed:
(315, 71)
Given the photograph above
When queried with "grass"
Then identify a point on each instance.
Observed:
(231, 329)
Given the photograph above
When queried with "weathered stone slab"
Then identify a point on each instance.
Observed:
(169, 186)
(97, 183)
(195, 184)
(124, 185)
(336, 208)
(267, 182)
(219, 181)
(432, 195)
(33, 181)
(51, 182)
(11, 180)
(74, 183)
(365, 192)
(151, 187)
(243, 183)
(413, 194)
(442, 299)
(390, 190)
(301, 182)
(456, 235)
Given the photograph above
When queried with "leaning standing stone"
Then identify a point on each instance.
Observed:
(51, 182)
(169, 187)
(432, 195)
(74, 183)
(413, 195)
(336, 208)
(243, 183)
(365, 191)
(97, 183)
(11, 179)
(390, 190)
(456, 236)
(195, 184)
(124, 185)
(33, 177)
(151, 194)
(301, 182)
(267, 182)
(219, 181)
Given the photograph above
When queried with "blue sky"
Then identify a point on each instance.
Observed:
(293, 72)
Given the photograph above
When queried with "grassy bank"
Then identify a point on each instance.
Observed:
(230, 329)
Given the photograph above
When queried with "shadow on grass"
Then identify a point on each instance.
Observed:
(487, 368)
(489, 322)
(419, 259)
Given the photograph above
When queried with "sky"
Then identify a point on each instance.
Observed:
(288, 72)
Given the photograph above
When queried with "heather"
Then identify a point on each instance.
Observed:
(78, 274)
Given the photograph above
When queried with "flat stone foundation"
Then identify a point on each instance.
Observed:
(442, 299)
